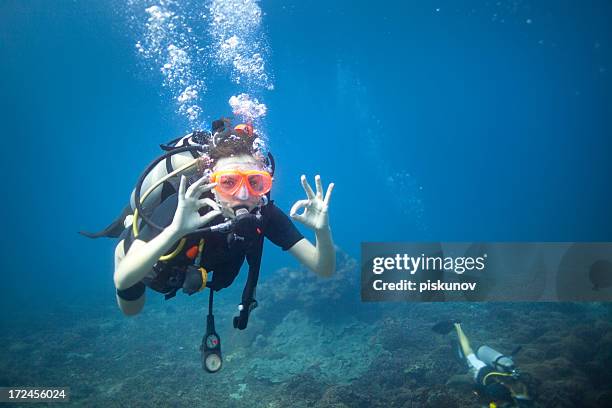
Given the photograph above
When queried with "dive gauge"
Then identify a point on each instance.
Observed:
(212, 341)
(211, 347)
(212, 362)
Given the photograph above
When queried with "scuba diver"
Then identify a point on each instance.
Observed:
(495, 375)
(201, 209)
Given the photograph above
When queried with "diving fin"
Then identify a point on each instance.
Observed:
(444, 327)
(114, 229)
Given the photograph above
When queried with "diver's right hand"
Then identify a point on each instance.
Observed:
(187, 218)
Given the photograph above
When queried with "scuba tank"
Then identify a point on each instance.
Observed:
(156, 183)
(495, 359)
(160, 170)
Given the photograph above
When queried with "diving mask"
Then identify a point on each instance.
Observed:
(229, 182)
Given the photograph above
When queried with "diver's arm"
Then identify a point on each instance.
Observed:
(141, 256)
(128, 307)
(321, 259)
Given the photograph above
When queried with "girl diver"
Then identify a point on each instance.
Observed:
(174, 235)
(238, 179)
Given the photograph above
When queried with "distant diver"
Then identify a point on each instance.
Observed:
(600, 274)
(175, 232)
(495, 375)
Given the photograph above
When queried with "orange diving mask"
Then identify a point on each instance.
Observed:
(230, 181)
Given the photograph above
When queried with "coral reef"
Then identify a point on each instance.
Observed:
(311, 343)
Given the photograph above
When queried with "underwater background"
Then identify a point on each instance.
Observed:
(436, 120)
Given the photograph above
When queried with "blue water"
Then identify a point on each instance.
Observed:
(436, 120)
(498, 128)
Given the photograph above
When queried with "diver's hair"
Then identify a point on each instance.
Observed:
(231, 144)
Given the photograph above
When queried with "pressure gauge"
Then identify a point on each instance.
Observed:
(212, 362)
(212, 341)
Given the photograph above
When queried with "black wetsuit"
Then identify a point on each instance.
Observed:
(218, 256)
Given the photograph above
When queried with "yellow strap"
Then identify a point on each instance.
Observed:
(174, 253)
(204, 278)
(484, 380)
(135, 223)
(154, 186)
(201, 246)
(135, 231)
(198, 258)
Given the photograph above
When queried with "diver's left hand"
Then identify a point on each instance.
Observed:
(315, 207)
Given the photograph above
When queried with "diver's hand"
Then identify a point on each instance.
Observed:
(315, 207)
(187, 218)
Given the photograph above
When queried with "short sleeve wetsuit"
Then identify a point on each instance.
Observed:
(218, 256)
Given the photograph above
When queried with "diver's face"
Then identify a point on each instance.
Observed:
(243, 196)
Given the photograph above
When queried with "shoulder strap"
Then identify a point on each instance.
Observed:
(272, 164)
(171, 145)
(249, 303)
(253, 257)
